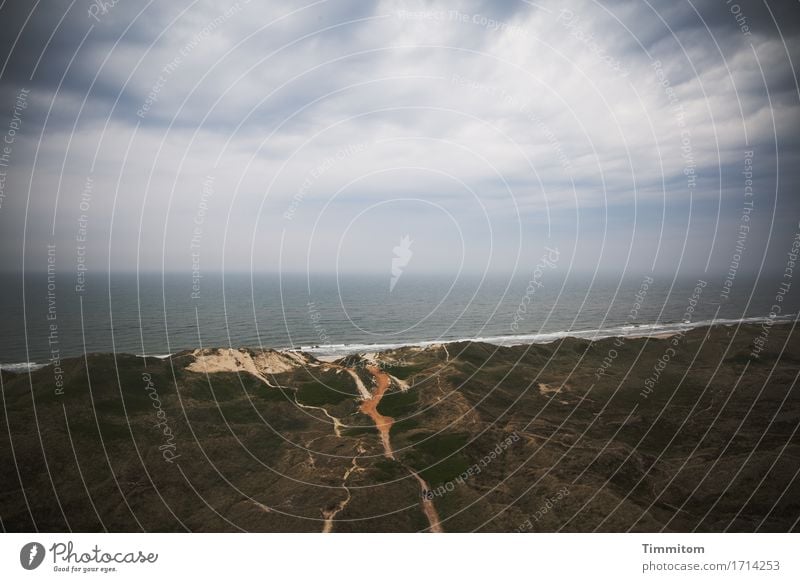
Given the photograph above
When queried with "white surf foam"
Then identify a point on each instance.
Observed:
(643, 330)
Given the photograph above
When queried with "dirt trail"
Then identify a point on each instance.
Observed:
(370, 408)
(337, 424)
(330, 514)
(210, 361)
(362, 390)
(384, 425)
(428, 508)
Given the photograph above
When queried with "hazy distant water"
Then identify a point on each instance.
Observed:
(156, 315)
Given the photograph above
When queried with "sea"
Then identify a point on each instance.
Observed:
(46, 318)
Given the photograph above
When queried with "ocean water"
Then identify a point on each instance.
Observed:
(158, 314)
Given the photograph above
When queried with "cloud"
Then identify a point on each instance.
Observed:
(517, 124)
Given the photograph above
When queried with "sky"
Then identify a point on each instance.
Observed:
(199, 136)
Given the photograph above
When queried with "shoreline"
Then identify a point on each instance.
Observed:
(333, 352)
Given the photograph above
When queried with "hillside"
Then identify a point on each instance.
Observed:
(475, 437)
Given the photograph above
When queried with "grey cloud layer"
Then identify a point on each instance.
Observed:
(522, 124)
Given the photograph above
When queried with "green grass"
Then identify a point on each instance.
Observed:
(444, 471)
(355, 431)
(221, 386)
(317, 394)
(386, 470)
(239, 412)
(328, 388)
(110, 431)
(436, 459)
(403, 372)
(273, 394)
(404, 425)
(133, 405)
(442, 444)
(398, 404)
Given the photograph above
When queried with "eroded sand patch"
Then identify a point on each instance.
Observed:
(210, 361)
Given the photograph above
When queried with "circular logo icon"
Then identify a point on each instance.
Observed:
(31, 555)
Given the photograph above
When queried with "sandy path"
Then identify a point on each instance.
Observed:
(370, 408)
(384, 425)
(337, 424)
(330, 514)
(428, 508)
(402, 384)
(241, 361)
(362, 390)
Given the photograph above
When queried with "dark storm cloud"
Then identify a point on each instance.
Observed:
(46, 49)
(62, 48)
(45, 36)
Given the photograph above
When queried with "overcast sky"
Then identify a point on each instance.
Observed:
(285, 135)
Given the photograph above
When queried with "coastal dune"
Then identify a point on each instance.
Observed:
(692, 432)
